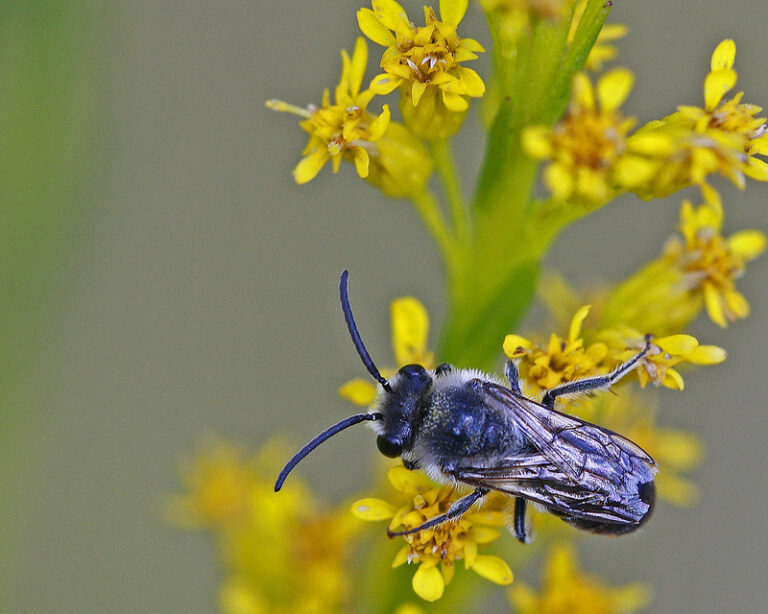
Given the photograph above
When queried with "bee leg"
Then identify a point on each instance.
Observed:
(458, 509)
(520, 532)
(593, 384)
(442, 369)
(513, 377)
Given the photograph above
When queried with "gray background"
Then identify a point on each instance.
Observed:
(200, 296)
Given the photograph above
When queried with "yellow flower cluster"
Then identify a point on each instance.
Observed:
(566, 590)
(308, 547)
(543, 366)
(426, 63)
(436, 550)
(383, 151)
(592, 155)
(697, 269)
(589, 151)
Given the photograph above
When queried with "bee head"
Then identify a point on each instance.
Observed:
(398, 407)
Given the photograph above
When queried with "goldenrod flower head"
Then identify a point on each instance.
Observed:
(588, 149)
(307, 545)
(218, 484)
(410, 329)
(560, 360)
(343, 129)
(566, 590)
(436, 550)
(730, 116)
(722, 137)
(425, 62)
(710, 263)
(602, 51)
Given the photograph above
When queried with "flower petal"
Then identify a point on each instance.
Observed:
(374, 29)
(390, 13)
(513, 342)
(372, 509)
(493, 568)
(362, 161)
(575, 330)
(452, 11)
(748, 244)
(677, 345)
(384, 83)
(410, 327)
(724, 55)
(716, 84)
(614, 87)
(707, 355)
(310, 165)
(428, 582)
(359, 391)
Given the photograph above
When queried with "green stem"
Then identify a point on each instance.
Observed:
(429, 209)
(445, 163)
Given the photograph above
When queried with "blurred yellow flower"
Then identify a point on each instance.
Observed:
(410, 329)
(342, 129)
(710, 263)
(308, 547)
(437, 549)
(590, 157)
(566, 590)
(425, 62)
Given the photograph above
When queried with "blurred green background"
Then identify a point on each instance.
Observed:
(162, 277)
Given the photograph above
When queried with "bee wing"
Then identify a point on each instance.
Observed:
(536, 479)
(578, 468)
(568, 442)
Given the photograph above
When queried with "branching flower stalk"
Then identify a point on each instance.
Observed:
(553, 113)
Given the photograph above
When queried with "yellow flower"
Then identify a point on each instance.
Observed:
(598, 352)
(723, 137)
(425, 62)
(436, 550)
(344, 129)
(710, 263)
(566, 590)
(590, 157)
(308, 547)
(218, 484)
(657, 366)
(561, 360)
(410, 329)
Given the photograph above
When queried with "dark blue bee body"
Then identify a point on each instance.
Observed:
(464, 426)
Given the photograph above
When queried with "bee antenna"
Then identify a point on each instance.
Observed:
(327, 433)
(356, 339)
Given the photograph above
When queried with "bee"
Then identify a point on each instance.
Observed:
(466, 427)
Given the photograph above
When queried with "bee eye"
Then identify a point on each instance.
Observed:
(389, 446)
